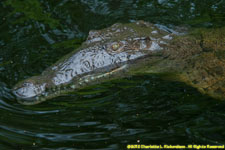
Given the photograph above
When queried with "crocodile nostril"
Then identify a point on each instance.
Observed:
(28, 90)
(25, 92)
(17, 94)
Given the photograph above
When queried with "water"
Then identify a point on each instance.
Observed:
(141, 109)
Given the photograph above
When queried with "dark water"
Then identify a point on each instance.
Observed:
(36, 33)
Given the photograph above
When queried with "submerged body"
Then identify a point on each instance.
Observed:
(104, 53)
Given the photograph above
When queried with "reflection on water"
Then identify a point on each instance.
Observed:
(36, 33)
(116, 113)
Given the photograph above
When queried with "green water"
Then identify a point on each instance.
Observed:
(36, 33)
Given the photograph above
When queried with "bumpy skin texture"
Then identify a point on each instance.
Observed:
(105, 53)
(196, 58)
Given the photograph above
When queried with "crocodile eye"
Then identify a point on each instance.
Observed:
(115, 46)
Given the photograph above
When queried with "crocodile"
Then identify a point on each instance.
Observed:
(126, 49)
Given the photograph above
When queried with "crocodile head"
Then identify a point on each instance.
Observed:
(104, 53)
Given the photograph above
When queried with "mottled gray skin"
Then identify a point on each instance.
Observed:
(104, 53)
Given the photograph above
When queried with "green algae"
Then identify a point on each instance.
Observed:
(31, 10)
(220, 54)
(199, 20)
(90, 92)
(71, 43)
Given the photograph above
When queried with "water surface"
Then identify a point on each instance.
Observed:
(144, 108)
